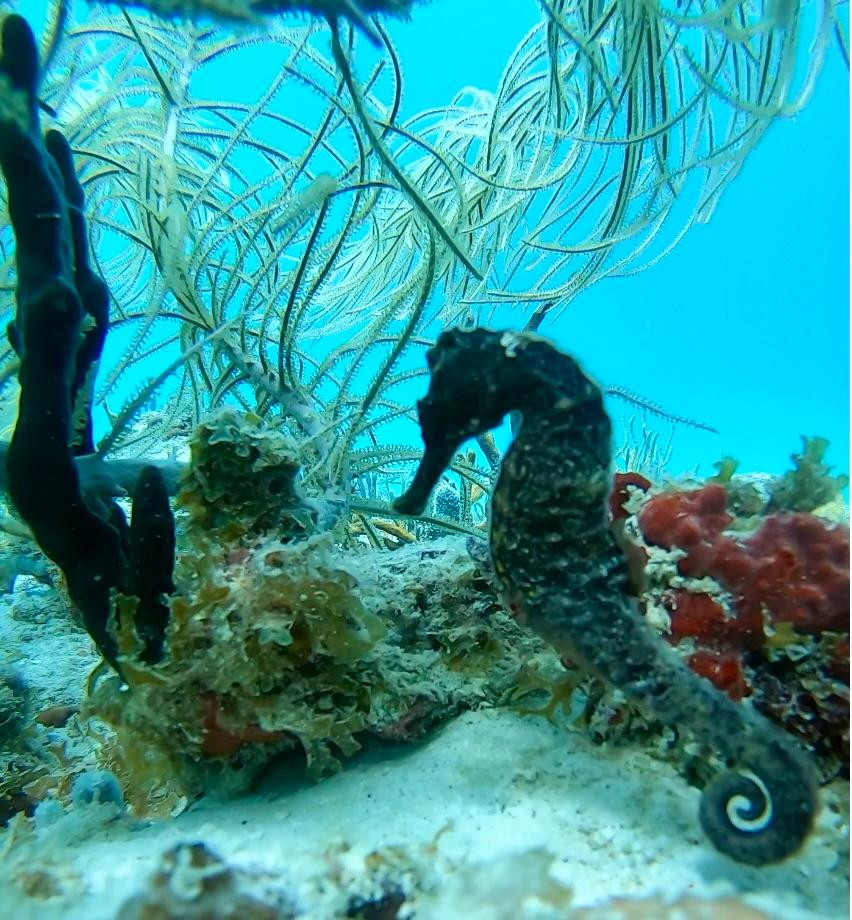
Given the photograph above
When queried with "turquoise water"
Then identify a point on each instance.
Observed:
(744, 325)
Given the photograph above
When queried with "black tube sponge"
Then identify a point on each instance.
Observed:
(56, 289)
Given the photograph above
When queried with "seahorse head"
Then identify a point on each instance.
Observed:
(474, 383)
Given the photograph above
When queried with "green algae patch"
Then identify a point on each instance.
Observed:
(286, 639)
(810, 484)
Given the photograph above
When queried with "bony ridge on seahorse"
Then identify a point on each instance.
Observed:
(554, 553)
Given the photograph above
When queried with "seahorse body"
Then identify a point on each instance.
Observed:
(554, 553)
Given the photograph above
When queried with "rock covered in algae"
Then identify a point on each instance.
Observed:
(282, 640)
(242, 477)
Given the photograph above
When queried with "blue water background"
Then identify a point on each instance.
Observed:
(745, 325)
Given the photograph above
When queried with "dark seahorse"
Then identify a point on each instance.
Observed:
(556, 558)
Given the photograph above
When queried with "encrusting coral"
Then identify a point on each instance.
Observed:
(565, 575)
(795, 566)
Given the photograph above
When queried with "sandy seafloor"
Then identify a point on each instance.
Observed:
(496, 815)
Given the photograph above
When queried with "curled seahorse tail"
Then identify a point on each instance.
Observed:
(763, 820)
(761, 810)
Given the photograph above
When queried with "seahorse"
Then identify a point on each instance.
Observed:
(559, 564)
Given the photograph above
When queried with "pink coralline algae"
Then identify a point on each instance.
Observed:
(801, 572)
(687, 520)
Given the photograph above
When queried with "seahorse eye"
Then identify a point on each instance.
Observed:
(448, 339)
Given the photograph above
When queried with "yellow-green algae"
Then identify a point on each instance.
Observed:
(285, 636)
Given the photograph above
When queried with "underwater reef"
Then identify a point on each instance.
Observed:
(273, 588)
(767, 612)
(282, 642)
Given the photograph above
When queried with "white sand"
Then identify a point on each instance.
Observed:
(496, 805)
(497, 816)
